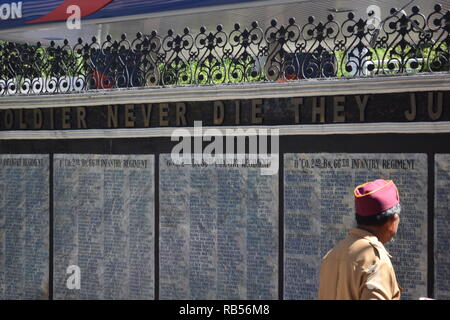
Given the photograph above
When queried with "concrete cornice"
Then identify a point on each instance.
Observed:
(313, 87)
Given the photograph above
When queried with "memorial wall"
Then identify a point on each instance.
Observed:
(218, 231)
(92, 205)
(218, 225)
(319, 209)
(442, 226)
(24, 226)
(104, 224)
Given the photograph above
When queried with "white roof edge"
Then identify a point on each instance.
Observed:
(304, 88)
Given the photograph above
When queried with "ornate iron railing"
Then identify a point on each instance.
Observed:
(401, 43)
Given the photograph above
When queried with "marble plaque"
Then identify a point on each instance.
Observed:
(319, 211)
(442, 227)
(104, 224)
(24, 226)
(218, 232)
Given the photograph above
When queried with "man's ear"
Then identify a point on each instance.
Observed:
(390, 223)
(396, 217)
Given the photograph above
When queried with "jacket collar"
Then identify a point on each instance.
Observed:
(364, 234)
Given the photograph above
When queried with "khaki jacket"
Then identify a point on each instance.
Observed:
(358, 268)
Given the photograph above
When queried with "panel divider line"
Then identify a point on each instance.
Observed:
(430, 225)
(281, 226)
(50, 256)
(156, 227)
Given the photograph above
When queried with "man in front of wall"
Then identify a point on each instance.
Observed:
(359, 267)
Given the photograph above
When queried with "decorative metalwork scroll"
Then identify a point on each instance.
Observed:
(357, 47)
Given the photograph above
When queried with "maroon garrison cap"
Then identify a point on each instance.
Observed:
(374, 197)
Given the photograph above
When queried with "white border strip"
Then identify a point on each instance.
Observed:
(303, 88)
(312, 129)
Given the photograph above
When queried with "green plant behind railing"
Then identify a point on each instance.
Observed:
(395, 60)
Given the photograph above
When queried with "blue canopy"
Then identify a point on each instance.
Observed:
(28, 12)
(45, 20)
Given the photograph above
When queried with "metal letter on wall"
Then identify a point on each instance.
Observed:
(319, 210)
(104, 224)
(24, 226)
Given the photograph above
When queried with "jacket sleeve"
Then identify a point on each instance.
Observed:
(379, 282)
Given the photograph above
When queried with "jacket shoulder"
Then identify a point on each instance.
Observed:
(364, 251)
